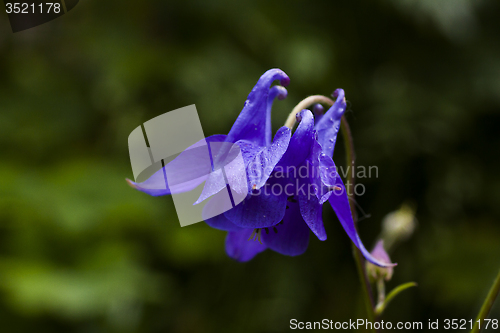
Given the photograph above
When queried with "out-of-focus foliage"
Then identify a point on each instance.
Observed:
(80, 251)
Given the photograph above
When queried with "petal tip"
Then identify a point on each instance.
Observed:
(131, 183)
(283, 93)
(278, 74)
(338, 93)
(285, 81)
(284, 130)
(278, 92)
(383, 264)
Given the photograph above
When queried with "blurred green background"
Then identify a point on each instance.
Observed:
(80, 251)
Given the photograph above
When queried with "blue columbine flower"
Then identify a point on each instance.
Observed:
(289, 179)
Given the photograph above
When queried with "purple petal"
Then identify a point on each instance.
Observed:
(325, 195)
(230, 170)
(340, 204)
(259, 165)
(311, 211)
(249, 150)
(329, 124)
(308, 172)
(259, 210)
(254, 122)
(240, 248)
(263, 163)
(222, 223)
(314, 167)
(188, 170)
(214, 184)
(221, 202)
(281, 93)
(324, 172)
(292, 237)
(301, 141)
(328, 170)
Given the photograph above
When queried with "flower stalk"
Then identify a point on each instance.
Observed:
(358, 257)
(381, 306)
(487, 305)
(380, 291)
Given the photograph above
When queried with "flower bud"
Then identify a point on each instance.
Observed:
(399, 225)
(375, 272)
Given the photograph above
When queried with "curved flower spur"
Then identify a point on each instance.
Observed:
(282, 203)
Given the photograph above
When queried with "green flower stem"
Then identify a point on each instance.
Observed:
(487, 305)
(349, 148)
(358, 257)
(380, 291)
(381, 306)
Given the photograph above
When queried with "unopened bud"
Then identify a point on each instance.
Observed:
(399, 225)
(375, 272)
